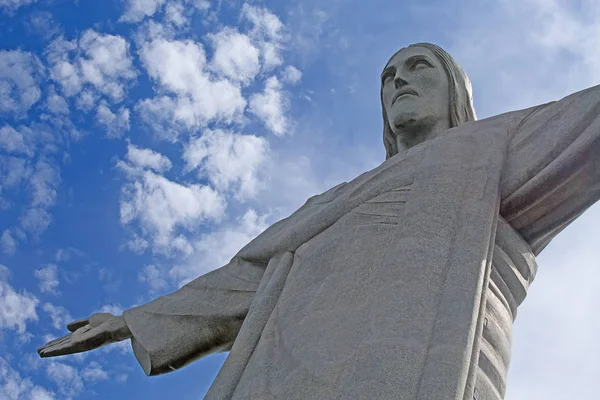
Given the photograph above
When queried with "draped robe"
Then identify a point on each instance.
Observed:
(402, 283)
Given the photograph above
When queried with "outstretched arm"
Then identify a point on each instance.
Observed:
(201, 318)
(87, 334)
(552, 172)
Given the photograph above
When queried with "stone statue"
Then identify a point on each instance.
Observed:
(403, 283)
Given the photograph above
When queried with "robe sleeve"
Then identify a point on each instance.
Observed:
(552, 170)
(201, 318)
(205, 316)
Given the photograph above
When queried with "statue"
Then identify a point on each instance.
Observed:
(402, 283)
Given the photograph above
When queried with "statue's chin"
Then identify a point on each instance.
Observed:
(405, 121)
(411, 131)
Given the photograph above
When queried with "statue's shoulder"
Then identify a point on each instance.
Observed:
(327, 196)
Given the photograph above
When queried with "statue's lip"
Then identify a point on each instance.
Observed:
(402, 93)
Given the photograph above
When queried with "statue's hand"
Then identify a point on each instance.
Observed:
(88, 334)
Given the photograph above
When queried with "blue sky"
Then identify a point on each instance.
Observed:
(142, 143)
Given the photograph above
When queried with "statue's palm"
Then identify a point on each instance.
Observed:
(88, 334)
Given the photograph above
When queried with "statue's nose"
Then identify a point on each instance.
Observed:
(399, 81)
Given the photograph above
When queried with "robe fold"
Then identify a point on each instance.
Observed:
(403, 283)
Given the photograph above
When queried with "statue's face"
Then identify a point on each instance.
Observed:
(415, 90)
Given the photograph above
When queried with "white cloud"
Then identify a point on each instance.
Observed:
(44, 184)
(93, 372)
(15, 387)
(48, 277)
(179, 67)
(42, 23)
(8, 243)
(182, 245)
(13, 171)
(38, 180)
(235, 56)
(56, 104)
(199, 4)
(107, 63)
(115, 123)
(215, 249)
(154, 277)
(161, 206)
(20, 76)
(292, 74)
(270, 106)
(35, 221)
(59, 315)
(263, 21)
(147, 158)
(268, 32)
(227, 159)
(12, 141)
(86, 100)
(67, 254)
(175, 14)
(175, 11)
(12, 5)
(137, 10)
(66, 377)
(137, 244)
(99, 61)
(16, 309)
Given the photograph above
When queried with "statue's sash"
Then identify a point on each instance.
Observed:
(444, 244)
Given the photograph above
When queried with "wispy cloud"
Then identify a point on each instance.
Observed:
(229, 159)
(197, 98)
(271, 106)
(96, 61)
(115, 123)
(11, 5)
(48, 279)
(20, 78)
(15, 387)
(160, 205)
(16, 308)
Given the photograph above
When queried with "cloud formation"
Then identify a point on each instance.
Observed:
(196, 98)
(228, 159)
(97, 61)
(115, 123)
(20, 78)
(162, 206)
(48, 279)
(14, 387)
(271, 106)
(16, 309)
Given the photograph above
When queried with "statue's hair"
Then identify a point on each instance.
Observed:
(459, 88)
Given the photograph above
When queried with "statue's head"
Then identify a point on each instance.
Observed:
(422, 88)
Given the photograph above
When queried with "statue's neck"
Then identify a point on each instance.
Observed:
(407, 137)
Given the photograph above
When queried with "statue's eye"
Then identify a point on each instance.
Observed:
(386, 77)
(420, 64)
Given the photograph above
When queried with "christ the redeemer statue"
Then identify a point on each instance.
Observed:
(400, 284)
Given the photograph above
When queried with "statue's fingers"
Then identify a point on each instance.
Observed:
(73, 326)
(56, 347)
(56, 341)
(59, 349)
